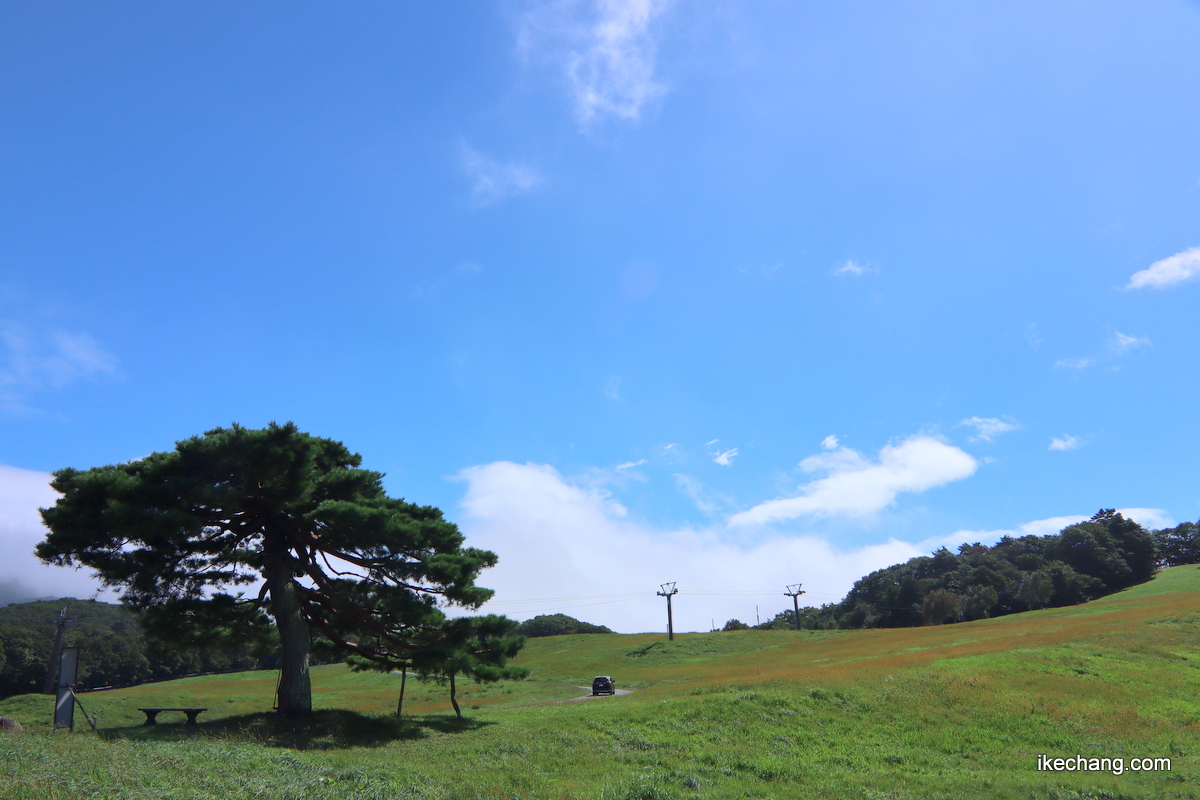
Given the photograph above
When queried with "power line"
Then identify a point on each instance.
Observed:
(629, 595)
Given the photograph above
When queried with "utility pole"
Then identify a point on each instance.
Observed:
(56, 654)
(793, 591)
(668, 589)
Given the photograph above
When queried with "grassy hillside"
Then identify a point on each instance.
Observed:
(950, 711)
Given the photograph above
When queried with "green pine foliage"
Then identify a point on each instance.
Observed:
(343, 567)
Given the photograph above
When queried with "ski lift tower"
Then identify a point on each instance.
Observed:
(793, 591)
(668, 590)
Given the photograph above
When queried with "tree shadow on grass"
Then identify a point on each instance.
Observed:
(324, 730)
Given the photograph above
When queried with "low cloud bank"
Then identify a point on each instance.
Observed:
(22, 576)
(558, 541)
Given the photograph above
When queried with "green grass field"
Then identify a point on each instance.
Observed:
(949, 711)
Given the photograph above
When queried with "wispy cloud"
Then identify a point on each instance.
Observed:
(1065, 442)
(830, 442)
(631, 464)
(696, 491)
(1033, 337)
(1074, 363)
(725, 458)
(1122, 344)
(31, 363)
(612, 388)
(606, 50)
(852, 268)
(492, 181)
(856, 486)
(1170, 271)
(988, 428)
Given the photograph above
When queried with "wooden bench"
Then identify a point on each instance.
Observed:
(152, 713)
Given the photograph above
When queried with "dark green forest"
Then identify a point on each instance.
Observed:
(114, 651)
(557, 625)
(1082, 562)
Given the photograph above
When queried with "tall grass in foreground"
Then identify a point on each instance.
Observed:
(952, 711)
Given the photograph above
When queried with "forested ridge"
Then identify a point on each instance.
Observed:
(1082, 562)
(557, 625)
(114, 650)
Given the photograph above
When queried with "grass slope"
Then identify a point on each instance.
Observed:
(949, 711)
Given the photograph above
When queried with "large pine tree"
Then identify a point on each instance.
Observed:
(179, 532)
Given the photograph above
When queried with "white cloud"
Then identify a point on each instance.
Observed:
(988, 428)
(1182, 266)
(1033, 337)
(1148, 517)
(856, 486)
(31, 363)
(606, 50)
(1065, 443)
(725, 458)
(830, 442)
(612, 388)
(1073, 363)
(1122, 344)
(492, 181)
(852, 268)
(695, 490)
(1038, 527)
(22, 575)
(631, 464)
(557, 540)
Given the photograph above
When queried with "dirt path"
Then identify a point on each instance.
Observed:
(590, 696)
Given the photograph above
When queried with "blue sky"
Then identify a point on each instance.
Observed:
(732, 295)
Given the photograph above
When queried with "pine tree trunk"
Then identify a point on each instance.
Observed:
(400, 702)
(453, 698)
(295, 688)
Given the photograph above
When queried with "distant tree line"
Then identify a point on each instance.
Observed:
(114, 649)
(1082, 562)
(1179, 545)
(557, 625)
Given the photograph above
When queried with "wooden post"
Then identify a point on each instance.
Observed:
(56, 653)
